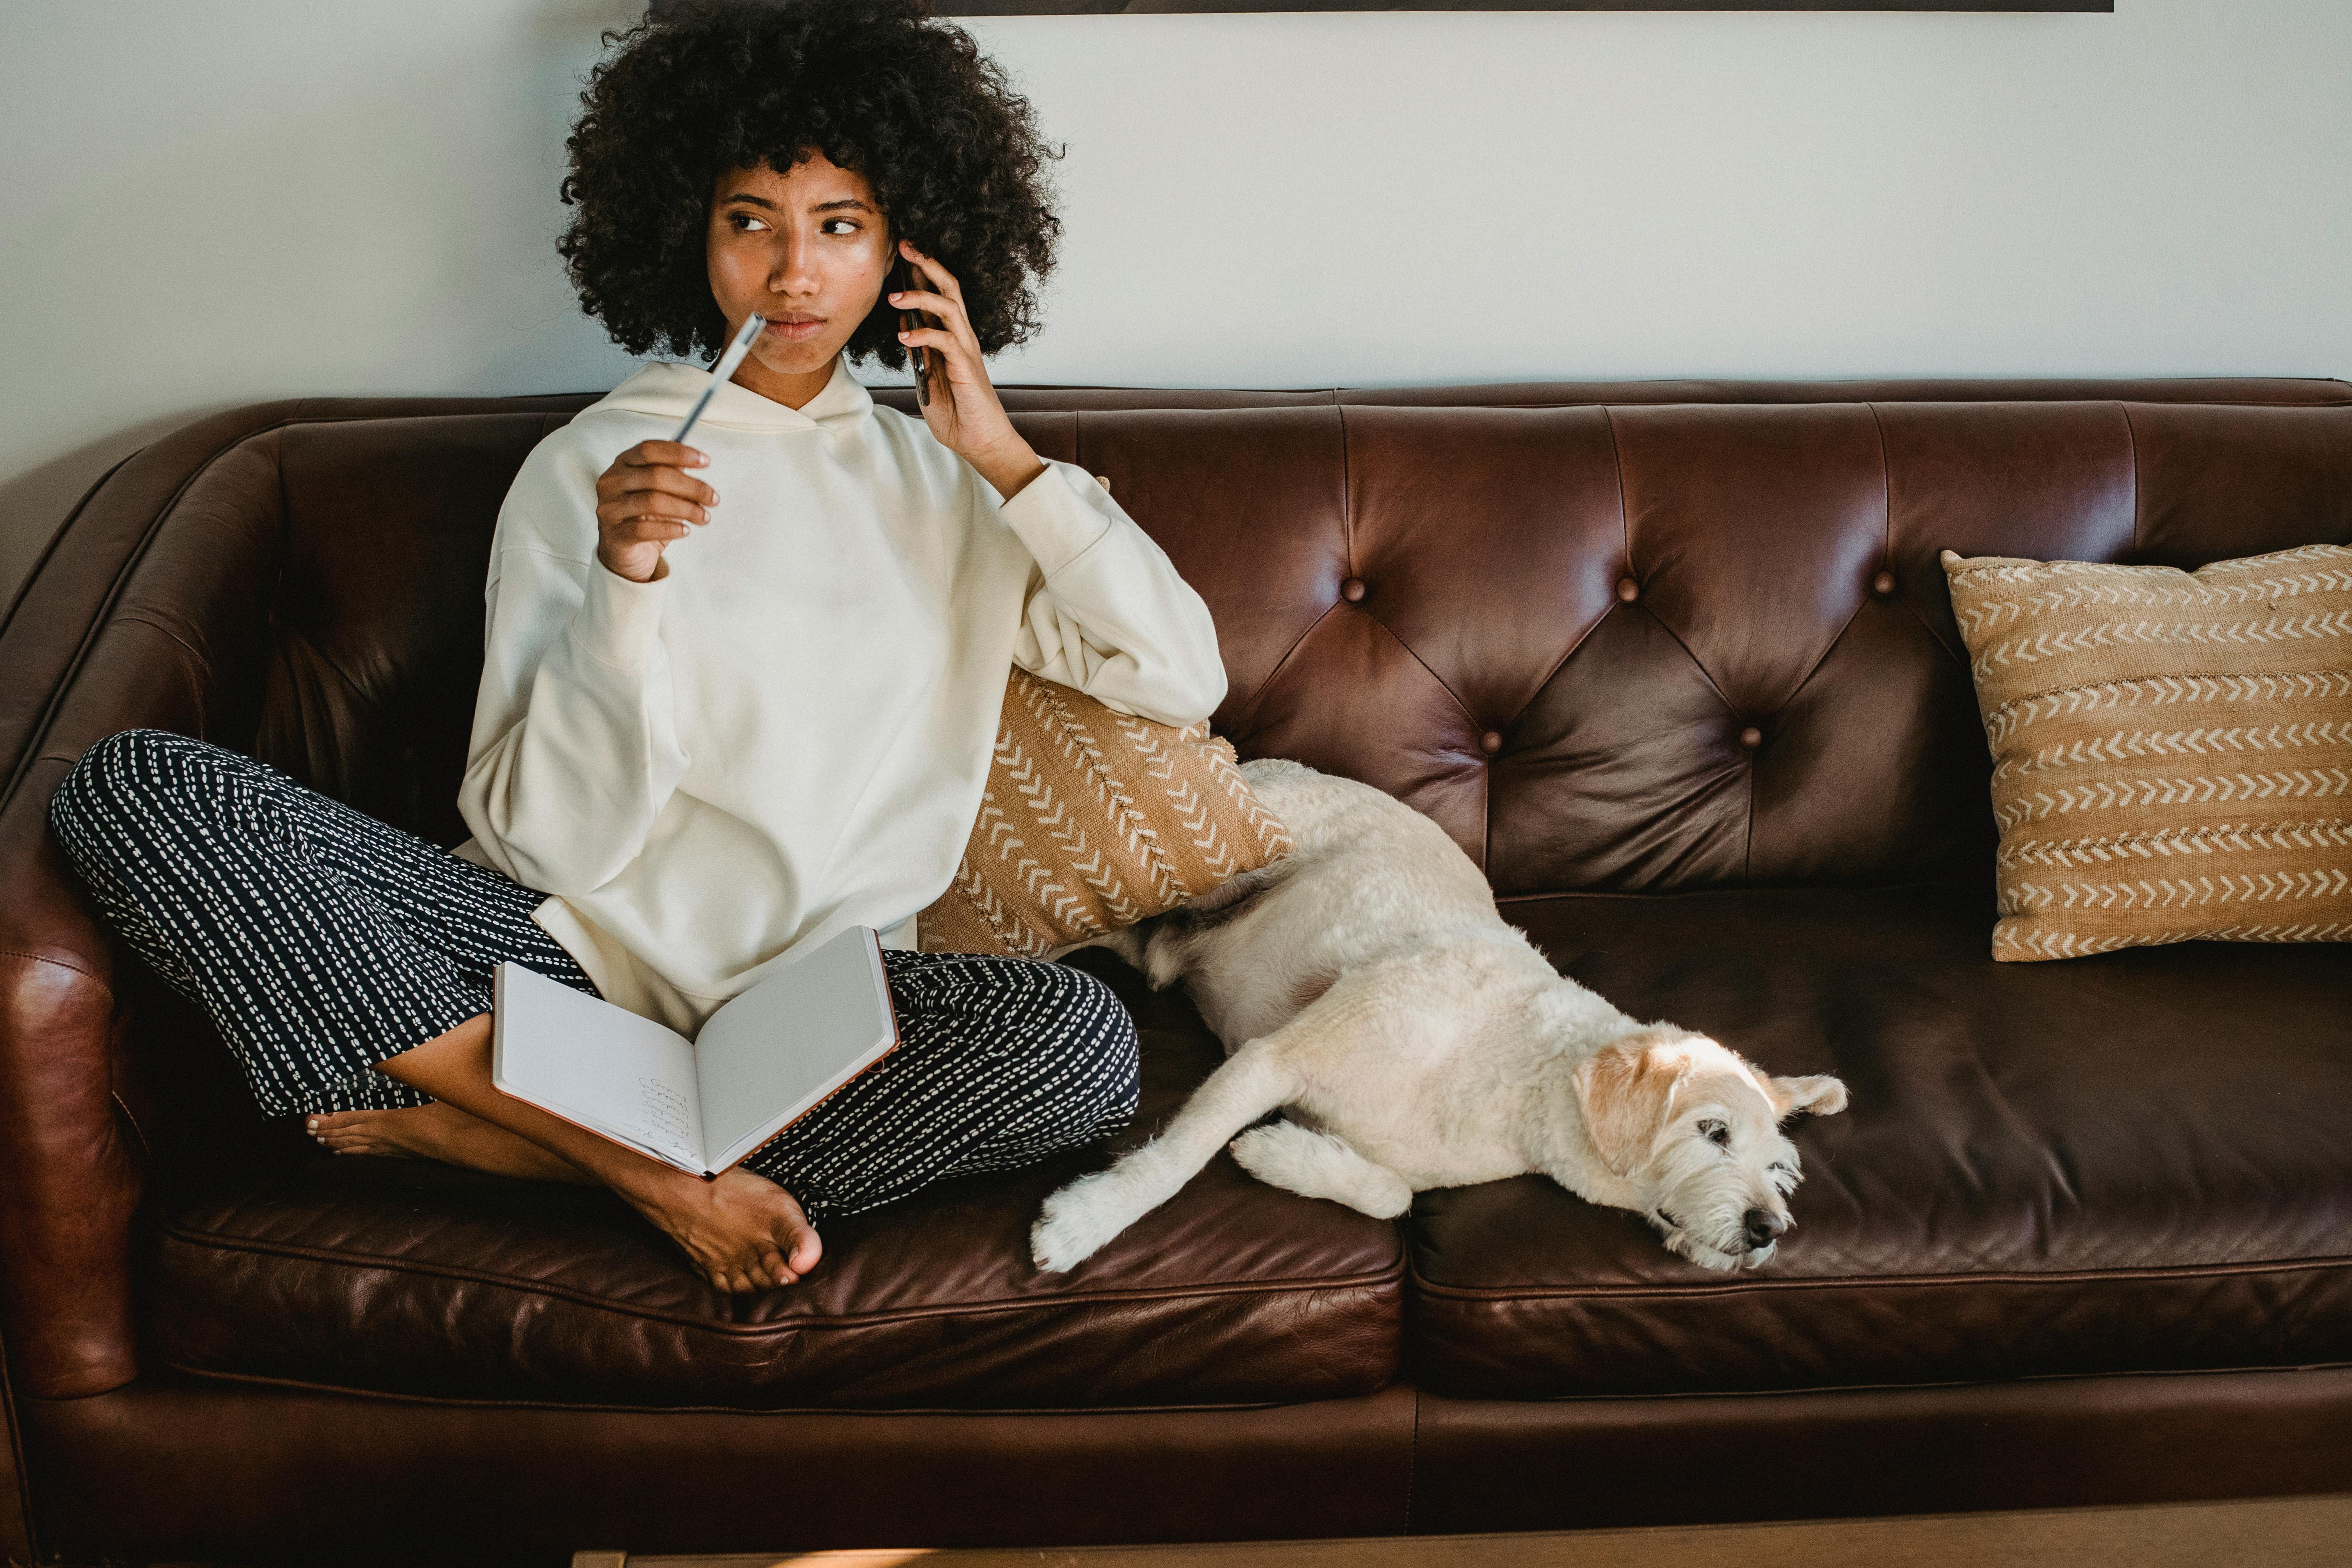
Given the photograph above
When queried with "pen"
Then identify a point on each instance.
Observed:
(754, 325)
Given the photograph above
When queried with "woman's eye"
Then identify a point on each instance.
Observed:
(839, 226)
(746, 224)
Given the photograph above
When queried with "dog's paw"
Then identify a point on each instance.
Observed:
(1690, 1249)
(1075, 1223)
(1706, 1257)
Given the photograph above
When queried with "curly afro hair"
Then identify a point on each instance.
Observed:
(879, 87)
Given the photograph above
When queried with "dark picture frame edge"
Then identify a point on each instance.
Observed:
(1199, 7)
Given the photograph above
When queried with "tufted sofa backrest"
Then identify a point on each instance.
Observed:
(1631, 649)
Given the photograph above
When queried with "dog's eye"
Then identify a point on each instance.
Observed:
(1715, 1132)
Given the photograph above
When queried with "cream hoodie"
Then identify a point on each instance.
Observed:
(789, 732)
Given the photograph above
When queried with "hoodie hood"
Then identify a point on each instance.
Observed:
(667, 390)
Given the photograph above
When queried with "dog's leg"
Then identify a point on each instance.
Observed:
(1321, 1165)
(1078, 1219)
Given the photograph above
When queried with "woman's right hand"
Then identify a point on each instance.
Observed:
(646, 499)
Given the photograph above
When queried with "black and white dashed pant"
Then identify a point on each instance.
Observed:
(321, 941)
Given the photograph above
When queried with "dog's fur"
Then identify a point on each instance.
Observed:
(1366, 987)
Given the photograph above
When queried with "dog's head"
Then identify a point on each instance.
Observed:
(1696, 1131)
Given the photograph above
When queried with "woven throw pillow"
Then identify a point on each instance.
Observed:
(2172, 750)
(1092, 820)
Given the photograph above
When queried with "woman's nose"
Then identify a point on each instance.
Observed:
(792, 271)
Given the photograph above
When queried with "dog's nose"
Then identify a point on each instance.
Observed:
(1764, 1227)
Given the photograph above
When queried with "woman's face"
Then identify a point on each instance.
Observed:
(808, 249)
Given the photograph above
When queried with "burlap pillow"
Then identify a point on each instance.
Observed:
(2172, 750)
(1093, 820)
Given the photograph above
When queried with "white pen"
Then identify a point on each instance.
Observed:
(754, 325)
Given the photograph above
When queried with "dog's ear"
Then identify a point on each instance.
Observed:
(1625, 1091)
(1820, 1094)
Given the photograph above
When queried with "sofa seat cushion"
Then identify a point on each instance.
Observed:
(2139, 1161)
(411, 1277)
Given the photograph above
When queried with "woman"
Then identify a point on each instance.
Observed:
(736, 696)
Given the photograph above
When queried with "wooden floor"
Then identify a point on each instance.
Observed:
(2288, 1532)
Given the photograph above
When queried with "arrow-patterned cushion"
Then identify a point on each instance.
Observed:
(2172, 751)
(1092, 820)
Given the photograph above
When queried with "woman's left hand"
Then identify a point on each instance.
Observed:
(964, 411)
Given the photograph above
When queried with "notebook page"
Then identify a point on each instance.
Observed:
(585, 1059)
(810, 1026)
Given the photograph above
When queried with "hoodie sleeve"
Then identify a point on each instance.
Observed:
(1105, 611)
(574, 749)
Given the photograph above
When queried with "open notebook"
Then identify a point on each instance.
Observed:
(818, 1019)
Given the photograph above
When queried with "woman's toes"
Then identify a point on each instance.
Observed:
(797, 1240)
(345, 1131)
(805, 1250)
(359, 1132)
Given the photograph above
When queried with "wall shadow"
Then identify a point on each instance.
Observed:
(35, 500)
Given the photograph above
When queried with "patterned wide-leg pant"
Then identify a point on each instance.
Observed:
(321, 941)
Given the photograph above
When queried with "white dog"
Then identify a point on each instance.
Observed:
(1366, 987)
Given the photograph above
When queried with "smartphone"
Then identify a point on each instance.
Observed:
(903, 276)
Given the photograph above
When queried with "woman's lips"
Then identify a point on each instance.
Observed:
(793, 331)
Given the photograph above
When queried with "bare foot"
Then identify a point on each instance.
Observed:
(444, 1132)
(742, 1231)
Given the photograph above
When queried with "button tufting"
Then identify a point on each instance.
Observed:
(1628, 590)
(1490, 742)
(1352, 589)
(1752, 737)
(1882, 585)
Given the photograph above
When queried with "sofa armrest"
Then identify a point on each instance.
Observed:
(69, 1176)
(153, 606)
(90, 651)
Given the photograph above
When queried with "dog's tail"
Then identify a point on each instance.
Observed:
(1159, 945)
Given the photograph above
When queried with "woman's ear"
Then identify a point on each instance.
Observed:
(1820, 1094)
(1626, 1091)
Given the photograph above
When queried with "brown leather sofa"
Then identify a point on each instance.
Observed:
(1673, 662)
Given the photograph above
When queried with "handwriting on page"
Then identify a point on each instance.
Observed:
(665, 1109)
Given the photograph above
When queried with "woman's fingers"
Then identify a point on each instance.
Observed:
(625, 491)
(943, 299)
(941, 279)
(643, 530)
(948, 311)
(959, 373)
(647, 499)
(621, 480)
(970, 419)
(663, 454)
(663, 500)
(950, 314)
(622, 515)
(946, 303)
(956, 349)
(624, 525)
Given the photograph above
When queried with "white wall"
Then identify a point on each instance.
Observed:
(207, 204)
